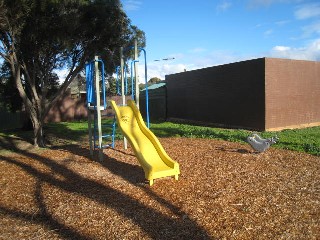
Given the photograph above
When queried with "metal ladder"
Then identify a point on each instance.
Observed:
(110, 135)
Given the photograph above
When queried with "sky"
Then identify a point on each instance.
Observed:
(197, 34)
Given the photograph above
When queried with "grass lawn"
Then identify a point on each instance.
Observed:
(302, 140)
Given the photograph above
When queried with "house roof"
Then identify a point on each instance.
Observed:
(155, 86)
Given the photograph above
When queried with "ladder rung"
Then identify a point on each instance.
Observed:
(109, 128)
(107, 115)
(96, 132)
(107, 135)
(103, 146)
(104, 135)
(108, 125)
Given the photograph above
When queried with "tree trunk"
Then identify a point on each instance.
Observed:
(39, 140)
(33, 106)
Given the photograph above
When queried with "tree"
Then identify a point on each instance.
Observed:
(39, 37)
(154, 80)
(10, 98)
(112, 86)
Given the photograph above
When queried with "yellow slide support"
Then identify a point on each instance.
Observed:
(147, 148)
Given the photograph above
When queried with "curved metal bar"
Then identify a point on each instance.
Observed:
(133, 75)
(146, 82)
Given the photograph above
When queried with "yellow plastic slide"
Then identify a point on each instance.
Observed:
(147, 148)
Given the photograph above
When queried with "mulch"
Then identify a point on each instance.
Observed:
(224, 191)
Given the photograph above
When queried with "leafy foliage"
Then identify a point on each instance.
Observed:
(37, 38)
(152, 81)
(10, 99)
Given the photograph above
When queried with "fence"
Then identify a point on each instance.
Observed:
(157, 103)
(10, 120)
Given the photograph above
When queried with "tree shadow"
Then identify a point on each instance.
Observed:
(43, 217)
(15, 143)
(18, 135)
(154, 223)
(131, 173)
(123, 152)
(238, 150)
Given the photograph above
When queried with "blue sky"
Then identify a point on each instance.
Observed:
(205, 33)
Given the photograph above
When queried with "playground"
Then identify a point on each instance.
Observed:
(154, 160)
(101, 187)
(224, 191)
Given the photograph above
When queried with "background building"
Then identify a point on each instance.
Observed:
(260, 94)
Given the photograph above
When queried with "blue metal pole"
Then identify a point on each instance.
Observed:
(146, 82)
(125, 80)
(89, 82)
(103, 84)
(117, 81)
(133, 75)
(88, 74)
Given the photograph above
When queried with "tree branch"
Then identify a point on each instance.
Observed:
(71, 75)
(5, 57)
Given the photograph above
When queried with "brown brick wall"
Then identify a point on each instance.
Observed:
(292, 93)
(230, 95)
(261, 94)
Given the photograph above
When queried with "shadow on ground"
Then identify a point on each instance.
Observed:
(159, 227)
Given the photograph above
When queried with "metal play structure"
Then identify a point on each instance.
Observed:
(147, 148)
(103, 135)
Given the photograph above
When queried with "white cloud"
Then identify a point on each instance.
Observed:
(131, 5)
(282, 23)
(308, 11)
(197, 50)
(160, 69)
(281, 49)
(259, 3)
(308, 52)
(173, 68)
(219, 57)
(266, 3)
(223, 6)
(194, 60)
(311, 29)
(268, 32)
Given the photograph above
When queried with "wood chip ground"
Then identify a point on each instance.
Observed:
(224, 191)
